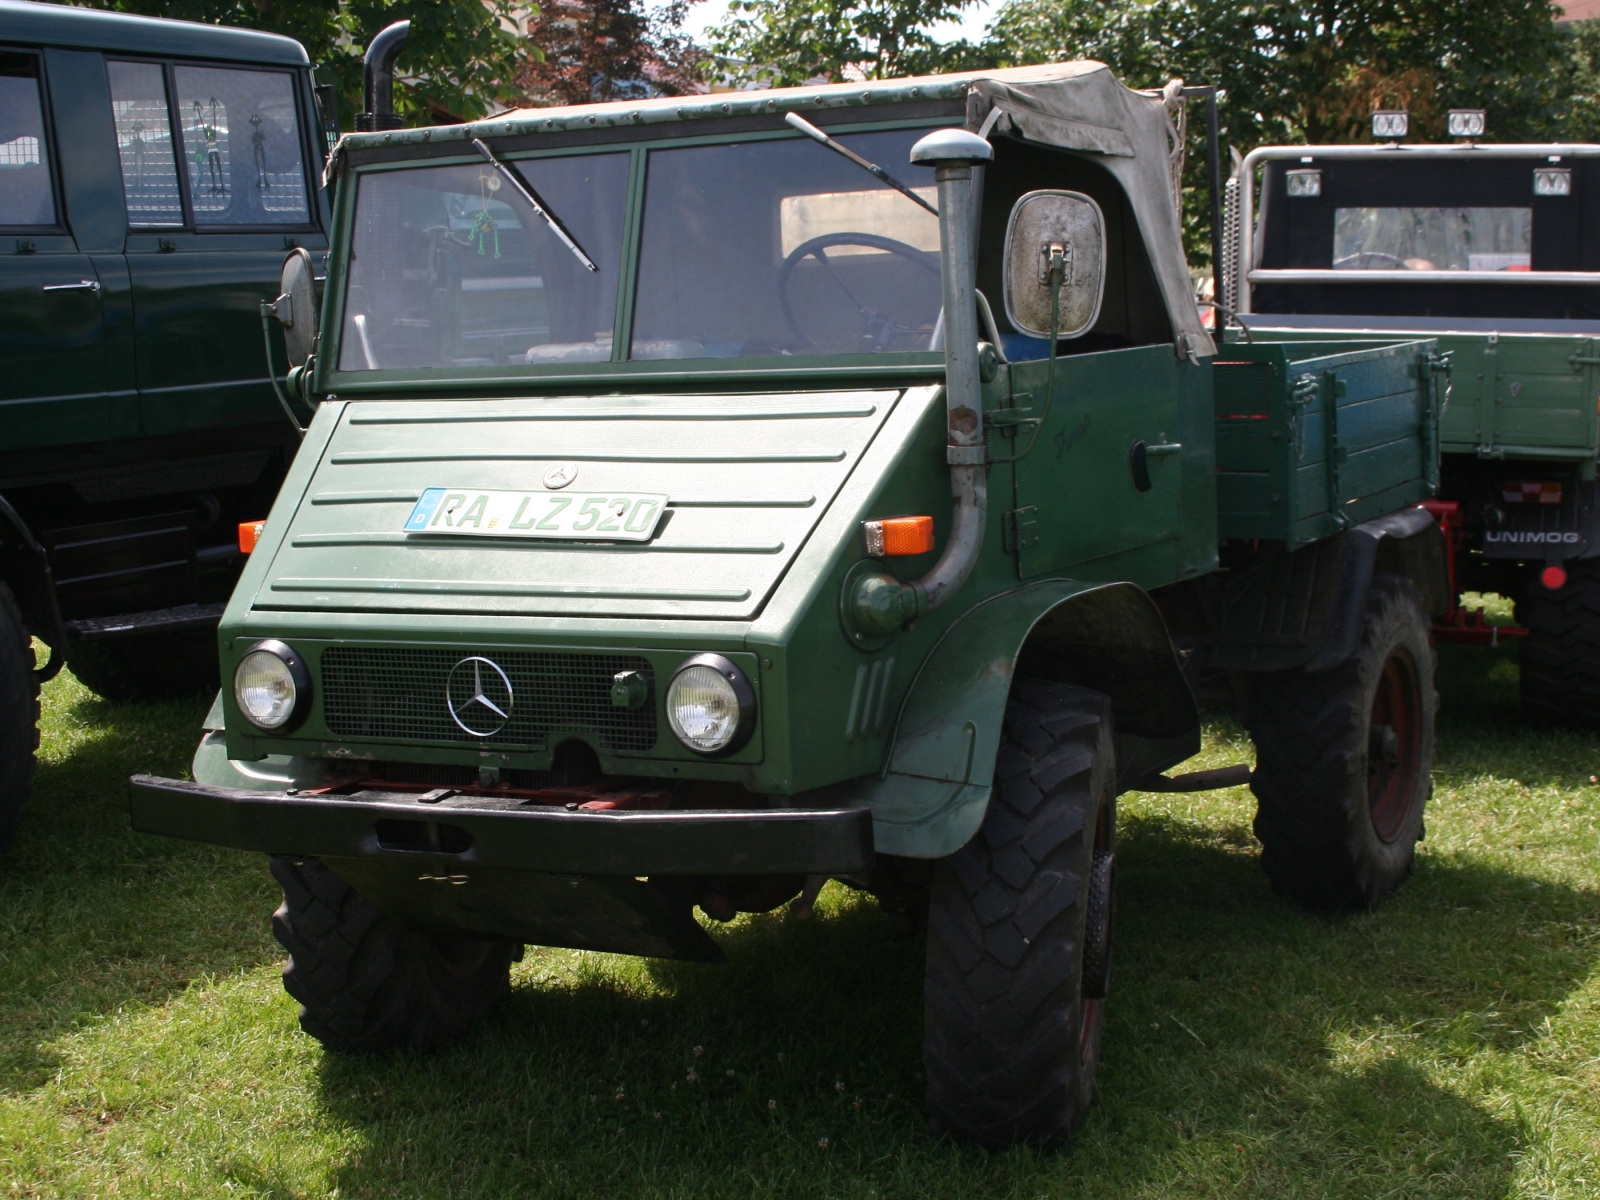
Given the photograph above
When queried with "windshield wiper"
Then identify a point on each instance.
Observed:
(528, 194)
(796, 121)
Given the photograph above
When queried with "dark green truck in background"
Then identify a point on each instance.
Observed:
(152, 174)
(691, 516)
(1493, 250)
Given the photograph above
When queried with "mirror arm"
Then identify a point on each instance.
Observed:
(1057, 278)
(268, 313)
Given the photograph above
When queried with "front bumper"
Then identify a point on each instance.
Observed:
(503, 868)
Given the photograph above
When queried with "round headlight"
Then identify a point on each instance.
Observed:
(711, 705)
(269, 683)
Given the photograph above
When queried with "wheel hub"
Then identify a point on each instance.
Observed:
(1394, 745)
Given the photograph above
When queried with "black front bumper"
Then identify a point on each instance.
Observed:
(504, 868)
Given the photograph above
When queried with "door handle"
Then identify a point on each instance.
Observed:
(1139, 455)
(83, 285)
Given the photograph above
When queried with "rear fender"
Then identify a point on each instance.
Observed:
(1406, 543)
(933, 795)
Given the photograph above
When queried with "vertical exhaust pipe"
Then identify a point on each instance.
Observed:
(377, 79)
(881, 603)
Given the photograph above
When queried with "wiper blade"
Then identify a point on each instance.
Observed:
(532, 198)
(796, 121)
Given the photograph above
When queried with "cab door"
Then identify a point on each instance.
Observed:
(214, 163)
(52, 332)
(1101, 492)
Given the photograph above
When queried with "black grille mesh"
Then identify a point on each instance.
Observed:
(391, 692)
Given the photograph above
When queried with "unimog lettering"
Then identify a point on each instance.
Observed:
(1521, 539)
(835, 603)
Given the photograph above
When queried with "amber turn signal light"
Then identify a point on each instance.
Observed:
(249, 535)
(897, 536)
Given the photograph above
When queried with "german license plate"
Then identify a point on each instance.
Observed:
(578, 516)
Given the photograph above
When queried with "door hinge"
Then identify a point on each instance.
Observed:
(1021, 528)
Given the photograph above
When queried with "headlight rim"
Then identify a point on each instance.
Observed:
(743, 691)
(299, 675)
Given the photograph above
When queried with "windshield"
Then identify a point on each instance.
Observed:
(449, 269)
(747, 249)
(1433, 239)
(784, 247)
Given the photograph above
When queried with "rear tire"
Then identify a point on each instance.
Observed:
(1561, 654)
(1020, 923)
(365, 984)
(155, 666)
(1343, 760)
(19, 717)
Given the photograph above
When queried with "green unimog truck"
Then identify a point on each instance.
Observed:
(1492, 250)
(152, 174)
(711, 496)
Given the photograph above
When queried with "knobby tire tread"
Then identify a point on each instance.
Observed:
(365, 984)
(1561, 654)
(1311, 739)
(19, 717)
(1006, 931)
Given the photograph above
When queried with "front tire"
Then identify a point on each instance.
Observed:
(1561, 654)
(19, 717)
(1343, 760)
(1019, 931)
(365, 984)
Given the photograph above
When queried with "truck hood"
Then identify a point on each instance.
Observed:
(747, 479)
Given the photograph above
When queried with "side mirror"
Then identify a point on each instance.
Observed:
(296, 306)
(1068, 225)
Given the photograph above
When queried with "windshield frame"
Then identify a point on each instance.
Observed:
(332, 381)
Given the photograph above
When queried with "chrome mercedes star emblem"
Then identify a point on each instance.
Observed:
(478, 694)
(560, 475)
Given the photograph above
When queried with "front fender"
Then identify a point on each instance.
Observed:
(932, 796)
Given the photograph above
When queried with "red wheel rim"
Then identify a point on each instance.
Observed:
(1394, 746)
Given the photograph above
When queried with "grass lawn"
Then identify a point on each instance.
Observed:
(1446, 1046)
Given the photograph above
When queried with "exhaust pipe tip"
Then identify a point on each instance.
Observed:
(377, 79)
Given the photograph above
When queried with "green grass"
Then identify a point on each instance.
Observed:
(1446, 1046)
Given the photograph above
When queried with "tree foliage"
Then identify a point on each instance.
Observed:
(788, 42)
(1315, 71)
(594, 50)
(462, 59)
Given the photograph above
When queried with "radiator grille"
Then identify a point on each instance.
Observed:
(390, 692)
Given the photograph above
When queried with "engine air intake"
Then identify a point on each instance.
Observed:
(394, 692)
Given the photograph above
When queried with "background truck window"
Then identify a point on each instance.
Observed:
(784, 247)
(1433, 239)
(446, 269)
(26, 197)
(241, 147)
(144, 142)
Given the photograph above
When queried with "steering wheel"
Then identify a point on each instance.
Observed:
(1370, 260)
(877, 328)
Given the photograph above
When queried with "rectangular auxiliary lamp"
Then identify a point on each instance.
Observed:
(1303, 182)
(1390, 123)
(1552, 181)
(894, 537)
